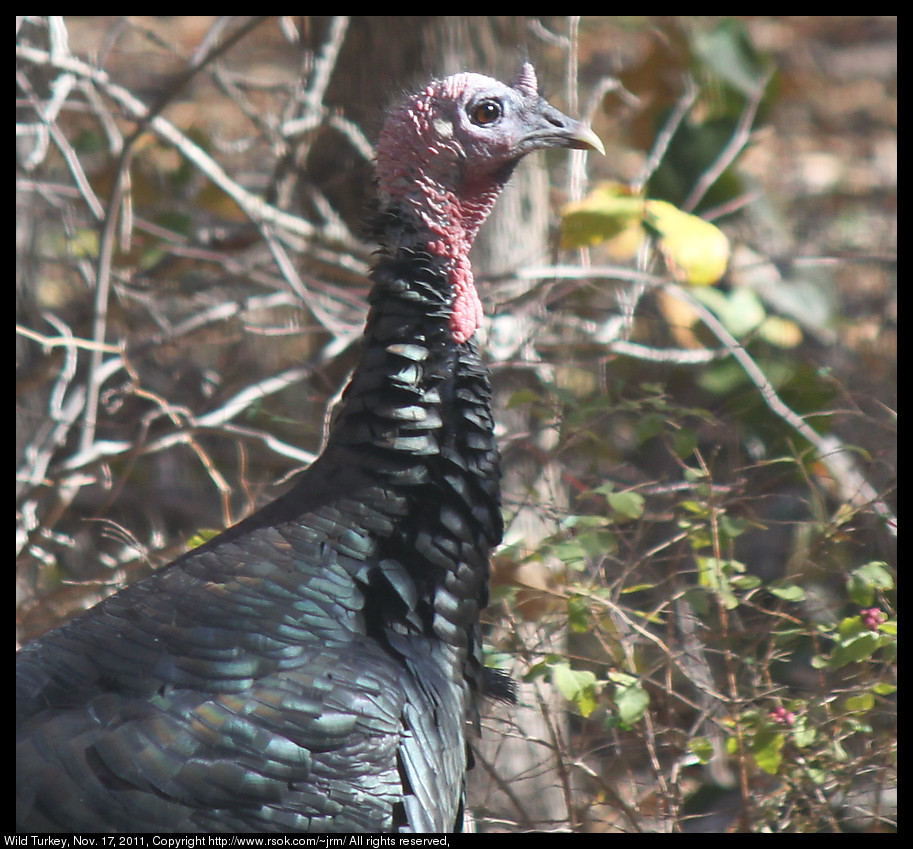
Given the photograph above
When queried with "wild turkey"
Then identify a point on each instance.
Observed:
(317, 666)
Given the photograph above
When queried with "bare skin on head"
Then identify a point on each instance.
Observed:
(444, 157)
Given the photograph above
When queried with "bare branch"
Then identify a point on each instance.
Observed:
(740, 137)
(65, 341)
(325, 62)
(664, 137)
(836, 456)
(256, 208)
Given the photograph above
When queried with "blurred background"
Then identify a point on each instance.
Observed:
(697, 587)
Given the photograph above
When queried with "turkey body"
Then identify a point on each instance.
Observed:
(317, 666)
(311, 658)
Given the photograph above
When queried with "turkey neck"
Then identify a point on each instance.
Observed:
(429, 206)
(417, 410)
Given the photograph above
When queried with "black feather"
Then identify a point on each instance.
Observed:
(317, 666)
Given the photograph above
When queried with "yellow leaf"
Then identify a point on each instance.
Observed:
(603, 214)
(782, 332)
(696, 251)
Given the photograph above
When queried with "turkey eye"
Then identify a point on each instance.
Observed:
(486, 112)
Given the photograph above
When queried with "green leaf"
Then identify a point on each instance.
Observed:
(802, 734)
(537, 670)
(781, 332)
(851, 626)
(853, 650)
(727, 50)
(741, 310)
(201, 537)
(630, 504)
(523, 396)
(570, 681)
(819, 775)
(653, 618)
(684, 442)
(84, 243)
(732, 527)
(866, 580)
(712, 573)
(571, 553)
(696, 251)
(624, 679)
(597, 543)
(650, 425)
(746, 582)
(565, 680)
(860, 704)
(585, 521)
(699, 599)
(786, 590)
(699, 508)
(587, 701)
(767, 748)
(636, 588)
(578, 615)
(498, 659)
(702, 749)
(576, 685)
(631, 699)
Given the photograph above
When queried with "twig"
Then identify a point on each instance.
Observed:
(740, 136)
(675, 356)
(551, 38)
(575, 272)
(831, 451)
(176, 415)
(312, 99)
(353, 133)
(290, 274)
(254, 207)
(573, 42)
(65, 341)
(48, 116)
(216, 420)
(664, 138)
(106, 243)
(325, 63)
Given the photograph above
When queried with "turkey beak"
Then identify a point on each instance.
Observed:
(583, 138)
(555, 129)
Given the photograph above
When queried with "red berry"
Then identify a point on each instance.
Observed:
(872, 617)
(782, 716)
